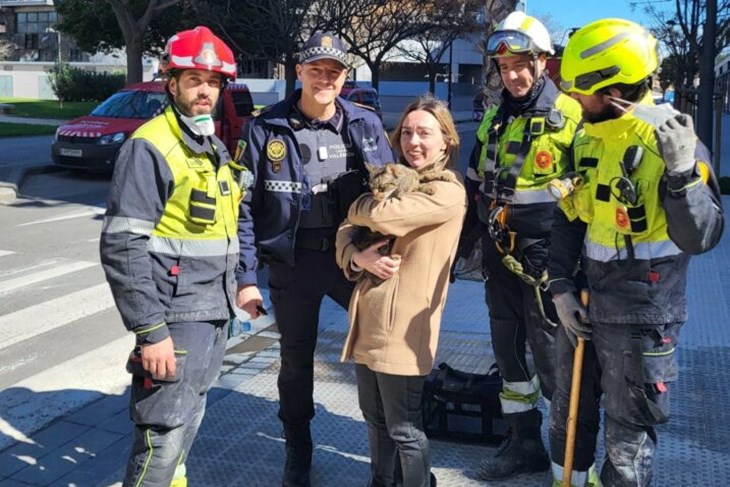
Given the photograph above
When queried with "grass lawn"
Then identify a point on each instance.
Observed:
(24, 107)
(21, 129)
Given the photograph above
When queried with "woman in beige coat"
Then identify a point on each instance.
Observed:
(394, 325)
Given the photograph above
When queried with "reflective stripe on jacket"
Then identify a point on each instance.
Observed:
(545, 159)
(169, 245)
(632, 258)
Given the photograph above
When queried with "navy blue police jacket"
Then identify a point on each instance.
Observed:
(277, 185)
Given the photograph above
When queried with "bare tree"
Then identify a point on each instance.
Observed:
(375, 28)
(445, 21)
(134, 30)
(679, 29)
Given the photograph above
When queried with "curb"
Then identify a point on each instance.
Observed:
(12, 177)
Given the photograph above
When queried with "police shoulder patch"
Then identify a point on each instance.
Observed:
(276, 150)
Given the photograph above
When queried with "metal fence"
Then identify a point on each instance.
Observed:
(686, 102)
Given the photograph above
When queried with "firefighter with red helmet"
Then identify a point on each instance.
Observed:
(169, 250)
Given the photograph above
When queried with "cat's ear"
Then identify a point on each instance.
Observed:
(391, 168)
(371, 169)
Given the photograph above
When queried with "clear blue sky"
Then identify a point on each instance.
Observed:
(576, 13)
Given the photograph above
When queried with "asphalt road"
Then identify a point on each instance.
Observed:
(25, 150)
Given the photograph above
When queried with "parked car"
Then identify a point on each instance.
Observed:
(91, 143)
(368, 97)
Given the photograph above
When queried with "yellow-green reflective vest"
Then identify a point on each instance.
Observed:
(546, 158)
(598, 153)
(204, 204)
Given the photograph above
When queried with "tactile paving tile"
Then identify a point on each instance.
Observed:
(240, 440)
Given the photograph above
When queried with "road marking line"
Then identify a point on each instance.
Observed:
(18, 282)
(92, 211)
(63, 388)
(3, 253)
(34, 320)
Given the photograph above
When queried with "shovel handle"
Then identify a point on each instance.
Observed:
(572, 422)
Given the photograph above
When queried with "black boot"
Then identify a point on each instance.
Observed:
(298, 455)
(522, 452)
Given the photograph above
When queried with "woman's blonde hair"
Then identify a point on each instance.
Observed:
(441, 113)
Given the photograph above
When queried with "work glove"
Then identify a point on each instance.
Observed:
(573, 316)
(677, 141)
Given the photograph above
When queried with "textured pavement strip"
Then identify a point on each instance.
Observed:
(240, 439)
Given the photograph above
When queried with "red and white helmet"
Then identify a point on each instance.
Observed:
(198, 48)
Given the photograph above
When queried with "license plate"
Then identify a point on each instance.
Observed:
(71, 152)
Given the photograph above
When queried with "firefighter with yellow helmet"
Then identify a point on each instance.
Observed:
(521, 145)
(647, 200)
(169, 249)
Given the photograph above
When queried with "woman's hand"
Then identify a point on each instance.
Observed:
(382, 266)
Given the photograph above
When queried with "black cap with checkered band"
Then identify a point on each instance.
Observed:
(324, 46)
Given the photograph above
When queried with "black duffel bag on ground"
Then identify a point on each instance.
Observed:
(461, 406)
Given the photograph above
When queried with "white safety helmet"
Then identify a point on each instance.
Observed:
(519, 33)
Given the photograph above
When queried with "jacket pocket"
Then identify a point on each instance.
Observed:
(392, 303)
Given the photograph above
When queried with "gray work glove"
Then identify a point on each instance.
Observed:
(677, 141)
(573, 316)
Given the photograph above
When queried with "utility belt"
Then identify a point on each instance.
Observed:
(327, 203)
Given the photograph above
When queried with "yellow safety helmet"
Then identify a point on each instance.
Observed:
(607, 52)
(519, 33)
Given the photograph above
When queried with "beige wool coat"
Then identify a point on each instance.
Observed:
(394, 326)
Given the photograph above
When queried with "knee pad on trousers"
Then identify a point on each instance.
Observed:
(629, 455)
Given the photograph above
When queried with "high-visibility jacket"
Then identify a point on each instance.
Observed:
(635, 225)
(517, 157)
(169, 245)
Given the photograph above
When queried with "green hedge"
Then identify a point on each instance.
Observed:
(73, 84)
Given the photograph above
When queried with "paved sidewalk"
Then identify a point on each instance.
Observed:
(31, 121)
(240, 439)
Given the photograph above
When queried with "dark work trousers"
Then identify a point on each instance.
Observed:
(297, 293)
(515, 322)
(391, 406)
(633, 365)
(167, 415)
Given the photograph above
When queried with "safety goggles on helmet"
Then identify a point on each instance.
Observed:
(509, 41)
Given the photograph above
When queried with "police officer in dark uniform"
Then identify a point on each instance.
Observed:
(307, 155)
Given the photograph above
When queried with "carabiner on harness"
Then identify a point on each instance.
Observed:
(500, 233)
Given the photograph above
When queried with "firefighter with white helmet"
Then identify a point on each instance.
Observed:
(646, 201)
(169, 250)
(521, 145)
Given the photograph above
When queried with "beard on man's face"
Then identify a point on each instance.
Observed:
(608, 112)
(188, 107)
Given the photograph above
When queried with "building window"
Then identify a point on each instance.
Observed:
(34, 22)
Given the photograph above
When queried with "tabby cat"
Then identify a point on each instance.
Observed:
(392, 181)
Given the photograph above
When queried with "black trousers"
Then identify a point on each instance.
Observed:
(633, 365)
(391, 406)
(297, 293)
(515, 322)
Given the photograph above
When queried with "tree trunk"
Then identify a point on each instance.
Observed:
(432, 78)
(375, 72)
(134, 60)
